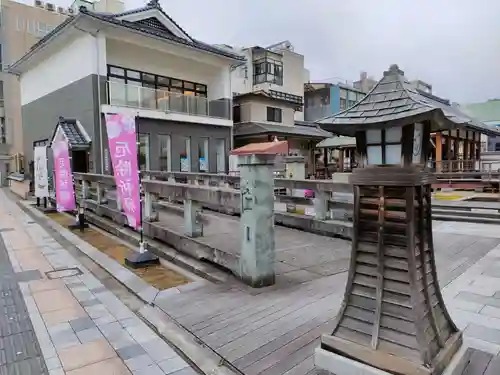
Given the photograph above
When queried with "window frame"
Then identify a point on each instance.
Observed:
(273, 113)
(267, 69)
(159, 81)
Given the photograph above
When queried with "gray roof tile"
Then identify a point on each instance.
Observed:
(394, 99)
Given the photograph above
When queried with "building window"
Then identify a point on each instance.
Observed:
(203, 154)
(236, 114)
(185, 155)
(165, 152)
(351, 103)
(158, 86)
(268, 70)
(3, 136)
(342, 103)
(144, 155)
(274, 114)
(220, 153)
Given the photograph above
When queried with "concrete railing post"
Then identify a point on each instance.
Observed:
(149, 212)
(101, 194)
(321, 199)
(257, 220)
(85, 189)
(192, 219)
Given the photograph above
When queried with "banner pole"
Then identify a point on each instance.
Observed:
(144, 258)
(138, 141)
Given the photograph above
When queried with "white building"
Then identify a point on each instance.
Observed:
(268, 94)
(139, 62)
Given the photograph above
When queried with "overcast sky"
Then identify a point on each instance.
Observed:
(452, 44)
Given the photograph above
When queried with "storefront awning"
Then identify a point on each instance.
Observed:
(337, 142)
(249, 129)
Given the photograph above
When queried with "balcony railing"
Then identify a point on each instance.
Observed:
(124, 95)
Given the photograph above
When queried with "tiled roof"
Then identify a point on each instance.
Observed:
(394, 100)
(113, 19)
(72, 132)
(488, 111)
(256, 128)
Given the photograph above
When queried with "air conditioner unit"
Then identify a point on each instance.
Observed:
(39, 4)
(61, 10)
(50, 6)
(71, 11)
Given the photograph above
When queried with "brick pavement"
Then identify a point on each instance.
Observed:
(59, 319)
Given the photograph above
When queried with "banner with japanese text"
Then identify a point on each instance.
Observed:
(41, 172)
(65, 192)
(122, 139)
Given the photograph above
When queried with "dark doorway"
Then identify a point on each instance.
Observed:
(80, 161)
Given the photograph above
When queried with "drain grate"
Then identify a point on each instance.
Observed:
(64, 272)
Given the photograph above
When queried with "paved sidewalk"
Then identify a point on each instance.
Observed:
(59, 319)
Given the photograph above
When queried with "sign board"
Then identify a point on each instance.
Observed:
(41, 172)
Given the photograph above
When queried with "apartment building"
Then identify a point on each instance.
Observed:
(364, 83)
(21, 26)
(325, 99)
(268, 94)
(138, 62)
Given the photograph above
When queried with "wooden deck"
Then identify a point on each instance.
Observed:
(476, 362)
(274, 331)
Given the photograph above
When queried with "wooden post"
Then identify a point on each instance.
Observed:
(393, 317)
(439, 152)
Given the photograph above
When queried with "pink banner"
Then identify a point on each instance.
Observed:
(123, 149)
(65, 193)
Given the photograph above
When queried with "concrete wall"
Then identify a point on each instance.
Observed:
(22, 25)
(177, 131)
(132, 56)
(255, 110)
(76, 100)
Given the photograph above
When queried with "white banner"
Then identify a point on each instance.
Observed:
(41, 172)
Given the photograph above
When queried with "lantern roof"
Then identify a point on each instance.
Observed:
(394, 101)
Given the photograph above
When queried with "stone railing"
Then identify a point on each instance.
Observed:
(241, 243)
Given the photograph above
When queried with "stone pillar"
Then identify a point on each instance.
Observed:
(149, 212)
(85, 189)
(192, 219)
(257, 220)
(321, 199)
(101, 194)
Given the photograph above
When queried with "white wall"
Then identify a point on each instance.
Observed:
(77, 60)
(133, 56)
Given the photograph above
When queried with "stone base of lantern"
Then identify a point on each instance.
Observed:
(142, 260)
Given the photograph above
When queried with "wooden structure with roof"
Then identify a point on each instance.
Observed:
(393, 316)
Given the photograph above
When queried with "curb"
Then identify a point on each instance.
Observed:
(195, 350)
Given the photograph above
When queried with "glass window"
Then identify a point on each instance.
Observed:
(150, 78)
(220, 152)
(132, 74)
(268, 70)
(176, 83)
(189, 86)
(342, 103)
(343, 93)
(116, 71)
(163, 81)
(144, 152)
(41, 29)
(274, 114)
(351, 95)
(165, 152)
(185, 155)
(203, 154)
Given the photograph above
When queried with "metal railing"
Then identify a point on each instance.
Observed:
(124, 95)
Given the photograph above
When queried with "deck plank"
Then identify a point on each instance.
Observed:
(274, 330)
(478, 363)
